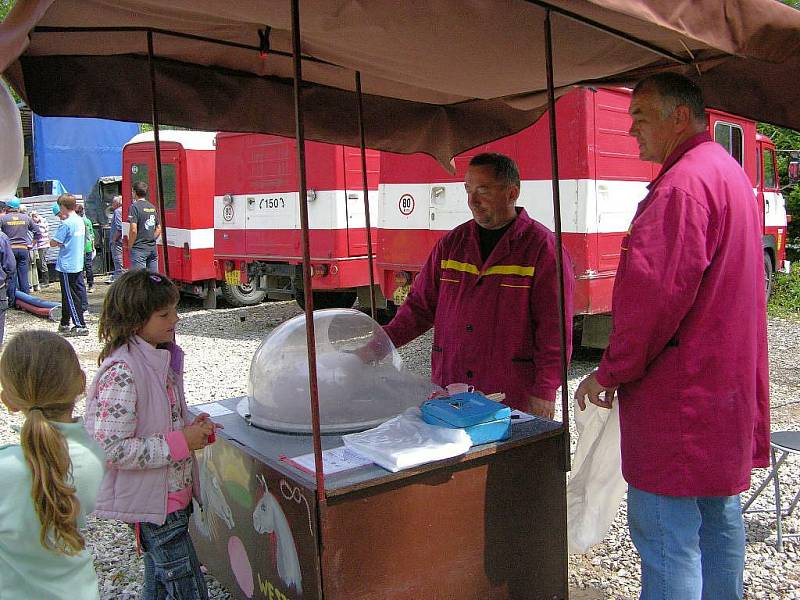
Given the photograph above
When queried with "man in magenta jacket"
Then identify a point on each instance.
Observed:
(490, 290)
(687, 355)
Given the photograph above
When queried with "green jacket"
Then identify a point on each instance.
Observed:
(89, 235)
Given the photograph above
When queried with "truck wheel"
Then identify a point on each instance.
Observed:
(242, 295)
(344, 299)
(768, 274)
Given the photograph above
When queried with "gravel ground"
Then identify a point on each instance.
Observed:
(219, 345)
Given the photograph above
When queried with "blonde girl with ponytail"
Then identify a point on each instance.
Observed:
(50, 480)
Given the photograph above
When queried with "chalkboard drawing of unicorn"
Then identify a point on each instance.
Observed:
(215, 507)
(268, 517)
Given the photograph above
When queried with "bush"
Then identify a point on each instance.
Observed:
(785, 299)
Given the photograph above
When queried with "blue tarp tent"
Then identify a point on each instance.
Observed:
(78, 151)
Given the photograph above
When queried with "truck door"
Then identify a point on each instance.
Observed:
(140, 166)
(772, 202)
(354, 197)
(448, 200)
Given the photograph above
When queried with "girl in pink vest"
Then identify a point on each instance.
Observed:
(136, 410)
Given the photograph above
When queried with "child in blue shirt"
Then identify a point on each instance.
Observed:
(70, 239)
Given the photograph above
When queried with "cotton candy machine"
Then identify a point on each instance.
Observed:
(360, 375)
(441, 529)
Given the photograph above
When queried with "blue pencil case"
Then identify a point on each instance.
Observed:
(483, 420)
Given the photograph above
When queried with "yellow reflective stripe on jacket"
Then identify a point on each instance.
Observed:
(495, 270)
(459, 266)
(510, 270)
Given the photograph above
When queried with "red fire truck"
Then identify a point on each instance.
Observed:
(232, 215)
(602, 181)
(233, 221)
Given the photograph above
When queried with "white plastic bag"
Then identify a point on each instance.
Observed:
(596, 486)
(407, 441)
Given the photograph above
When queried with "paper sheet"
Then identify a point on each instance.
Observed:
(334, 460)
(213, 409)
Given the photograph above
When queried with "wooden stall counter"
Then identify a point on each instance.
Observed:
(490, 524)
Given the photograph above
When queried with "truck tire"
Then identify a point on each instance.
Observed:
(242, 295)
(768, 273)
(343, 299)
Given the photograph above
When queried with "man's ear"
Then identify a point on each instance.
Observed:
(513, 192)
(681, 117)
(8, 402)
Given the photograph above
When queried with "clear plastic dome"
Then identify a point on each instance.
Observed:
(361, 378)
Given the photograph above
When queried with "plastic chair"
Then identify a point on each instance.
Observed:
(782, 444)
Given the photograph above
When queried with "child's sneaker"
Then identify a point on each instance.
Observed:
(80, 331)
(64, 329)
(91, 289)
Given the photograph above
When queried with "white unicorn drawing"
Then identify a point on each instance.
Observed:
(268, 517)
(215, 507)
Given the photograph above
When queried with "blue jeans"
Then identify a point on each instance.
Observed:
(19, 280)
(116, 256)
(691, 547)
(171, 568)
(144, 258)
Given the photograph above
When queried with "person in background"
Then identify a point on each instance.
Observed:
(17, 225)
(70, 241)
(41, 248)
(145, 229)
(50, 480)
(8, 268)
(33, 257)
(687, 354)
(115, 238)
(88, 262)
(136, 410)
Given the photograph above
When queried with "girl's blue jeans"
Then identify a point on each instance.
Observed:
(692, 547)
(171, 568)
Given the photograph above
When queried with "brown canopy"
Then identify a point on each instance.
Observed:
(438, 76)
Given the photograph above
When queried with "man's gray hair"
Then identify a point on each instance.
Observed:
(505, 169)
(674, 90)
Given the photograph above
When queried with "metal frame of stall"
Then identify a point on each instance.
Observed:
(515, 462)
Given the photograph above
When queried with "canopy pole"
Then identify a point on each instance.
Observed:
(157, 143)
(370, 255)
(551, 110)
(307, 291)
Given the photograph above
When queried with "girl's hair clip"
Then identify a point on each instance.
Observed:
(156, 278)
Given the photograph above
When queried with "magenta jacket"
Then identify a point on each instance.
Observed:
(689, 341)
(495, 324)
(135, 495)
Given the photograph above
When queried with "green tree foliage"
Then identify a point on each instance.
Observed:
(5, 7)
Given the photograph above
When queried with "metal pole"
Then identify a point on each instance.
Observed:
(307, 291)
(366, 193)
(157, 141)
(551, 109)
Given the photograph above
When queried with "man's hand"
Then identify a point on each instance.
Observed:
(371, 352)
(541, 408)
(591, 388)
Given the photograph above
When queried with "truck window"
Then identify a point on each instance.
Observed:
(139, 172)
(758, 166)
(730, 137)
(770, 179)
(168, 179)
